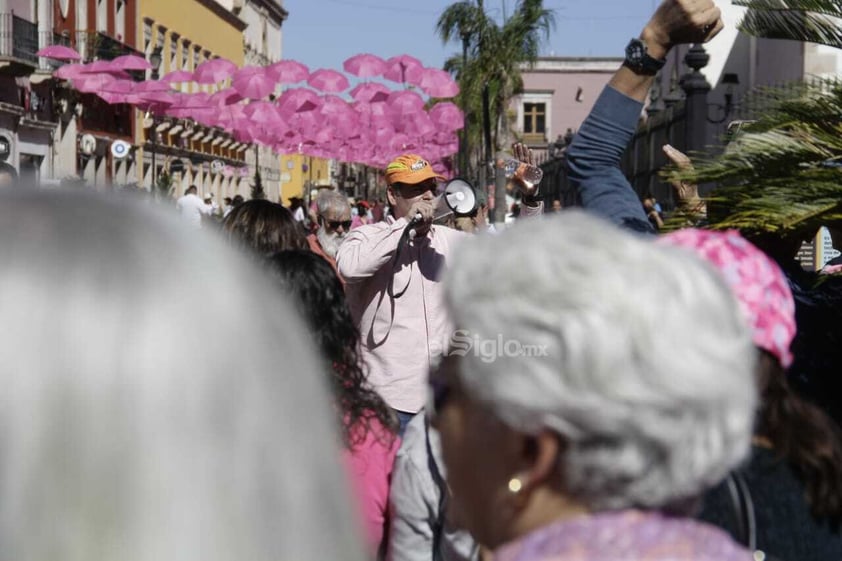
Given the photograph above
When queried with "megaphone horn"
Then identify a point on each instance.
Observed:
(460, 196)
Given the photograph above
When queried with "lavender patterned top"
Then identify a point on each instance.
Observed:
(625, 536)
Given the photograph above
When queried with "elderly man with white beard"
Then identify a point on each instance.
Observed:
(334, 216)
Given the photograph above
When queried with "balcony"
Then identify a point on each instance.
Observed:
(18, 45)
(96, 45)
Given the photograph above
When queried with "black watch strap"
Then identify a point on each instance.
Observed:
(639, 60)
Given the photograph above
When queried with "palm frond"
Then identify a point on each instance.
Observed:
(784, 172)
(797, 25)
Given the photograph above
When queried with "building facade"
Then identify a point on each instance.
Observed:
(179, 152)
(262, 46)
(558, 93)
(27, 118)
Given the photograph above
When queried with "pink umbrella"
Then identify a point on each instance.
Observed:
(262, 111)
(130, 62)
(288, 71)
(97, 67)
(328, 81)
(177, 77)
(436, 83)
(92, 83)
(228, 96)
(298, 100)
(419, 125)
(151, 86)
(365, 65)
(253, 82)
(59, 52)
(111, 98)
(214, 71)
(371, 92)
(402, 68)
(68, 71)
(157, 98)
(405, 102)
(447, 116)
(119, 87)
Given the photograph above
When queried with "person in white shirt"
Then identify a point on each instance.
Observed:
(192, 208)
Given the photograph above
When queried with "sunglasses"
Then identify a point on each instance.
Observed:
(335, 224)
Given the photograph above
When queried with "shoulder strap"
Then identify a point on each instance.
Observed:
(438, 523)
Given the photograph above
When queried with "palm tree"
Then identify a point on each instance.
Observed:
(492, 56)
(813, 21)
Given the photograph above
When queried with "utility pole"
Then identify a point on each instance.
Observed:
(463, 146)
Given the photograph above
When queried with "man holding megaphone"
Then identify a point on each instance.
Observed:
(393, 271)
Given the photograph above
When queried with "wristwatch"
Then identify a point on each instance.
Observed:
(638, 59)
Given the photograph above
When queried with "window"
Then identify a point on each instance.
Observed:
(147, 37)
(120, 20)
(173, 52)
(534, 119)
(102, 15)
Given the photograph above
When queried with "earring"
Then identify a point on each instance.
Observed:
(515, 485)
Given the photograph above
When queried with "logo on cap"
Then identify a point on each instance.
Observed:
(419, 165)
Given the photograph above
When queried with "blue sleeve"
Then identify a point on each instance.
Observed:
(593, 160)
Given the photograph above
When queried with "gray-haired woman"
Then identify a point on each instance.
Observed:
(601, 384)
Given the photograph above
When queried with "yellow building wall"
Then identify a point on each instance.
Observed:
(294, 178)
(192, 20)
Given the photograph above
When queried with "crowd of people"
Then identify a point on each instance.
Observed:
(375, 383)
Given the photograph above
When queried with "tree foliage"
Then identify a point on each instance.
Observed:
(495, 55)
(783, 173)
(814, 21)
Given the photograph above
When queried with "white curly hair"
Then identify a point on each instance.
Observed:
(648, 366)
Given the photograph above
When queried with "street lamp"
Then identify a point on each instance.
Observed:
(730, 81)
(155, 61)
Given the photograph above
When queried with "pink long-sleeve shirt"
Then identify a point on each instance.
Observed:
(401, 337)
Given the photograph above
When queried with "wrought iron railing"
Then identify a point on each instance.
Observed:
(18, 38)
(97, 45)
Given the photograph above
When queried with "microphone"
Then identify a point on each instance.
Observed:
(416, 220)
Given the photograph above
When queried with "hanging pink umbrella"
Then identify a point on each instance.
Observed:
(402, 68)
(59, 52)
(370, 92)
(436, 83)
(253, 82)
(92, 83)
(96, 67)
(177, 77)
(119, 87)
(419, 125)
(262, 111)
(288, 71)
(365, 65)
(447, 116)
(130, 62)
(214, 71)
(228, 96)
(405, 102)
(298, 100)
(157, 98)
(68, 71)
(328, 81)
(110, 97)
(151, 86)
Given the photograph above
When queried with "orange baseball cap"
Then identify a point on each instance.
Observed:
(410, 169)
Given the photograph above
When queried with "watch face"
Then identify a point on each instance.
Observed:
(635, 51)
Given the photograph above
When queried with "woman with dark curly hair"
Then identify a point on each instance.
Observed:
(265, 227)
(369, 427)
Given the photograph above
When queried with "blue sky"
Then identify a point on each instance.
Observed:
(323, 33)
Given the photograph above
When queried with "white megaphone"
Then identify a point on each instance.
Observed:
(458, 197)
